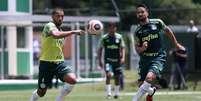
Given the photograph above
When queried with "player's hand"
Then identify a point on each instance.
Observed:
(78, 32)
(145, 45)
(142, 48)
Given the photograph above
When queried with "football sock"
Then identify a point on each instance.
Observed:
(34, 96)
(108, 89)
(65, 90)
(147, 87)
(138, 94)
(116, 90)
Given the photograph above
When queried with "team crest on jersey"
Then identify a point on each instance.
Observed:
(153, 27)
(117, 40)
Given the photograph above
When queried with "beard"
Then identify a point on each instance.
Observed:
(58, 22)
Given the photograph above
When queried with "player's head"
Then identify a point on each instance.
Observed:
(142, 12)
(191, 22)
(112, 27)
(57, 16)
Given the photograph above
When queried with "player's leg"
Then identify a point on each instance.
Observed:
(141, 91)
(154, 71)
(117, 74)
(149, 81)
(68, 77)
(117, 86)
(45, 77)
(145, 87)
(108, 84)
(109, 74)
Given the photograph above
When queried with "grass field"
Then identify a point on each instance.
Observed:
(95, 92)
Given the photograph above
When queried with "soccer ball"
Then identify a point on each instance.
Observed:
(95, 27)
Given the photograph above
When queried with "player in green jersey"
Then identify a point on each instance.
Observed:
(114, 55)
(52, 58)
(149, 45)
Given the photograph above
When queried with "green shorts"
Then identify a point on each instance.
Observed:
(47, 70)
(155, 65)
(114, 67)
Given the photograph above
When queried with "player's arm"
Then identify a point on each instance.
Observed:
(122, 51)
(61, 34)
(140, 48)
(100, 57)
(170, 34)
(122, 55)
(100, 53)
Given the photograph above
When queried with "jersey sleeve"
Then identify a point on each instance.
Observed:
(162, 24)
(122, 42)
(49, 27)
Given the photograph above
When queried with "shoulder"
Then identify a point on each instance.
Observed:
(118, 35)
(138, 27)
(50, 24)
(156, 21)
(104, 36)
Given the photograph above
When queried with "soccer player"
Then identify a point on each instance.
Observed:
(114, 55)
(52, 58)
(149, 45)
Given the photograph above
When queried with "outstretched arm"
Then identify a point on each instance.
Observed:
(122, 55)
(170, 34)
(61, 34)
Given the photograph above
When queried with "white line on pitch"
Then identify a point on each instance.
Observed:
(170, 93)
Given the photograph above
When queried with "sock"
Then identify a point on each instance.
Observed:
(65, 90)
(116, 90)
(147, 87)
(34, 96)
(108, 89)
(138, 94)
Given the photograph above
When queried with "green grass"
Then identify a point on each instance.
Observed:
(95, 92)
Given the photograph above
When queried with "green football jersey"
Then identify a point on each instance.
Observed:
(152, 33)
(112, 46)
(51, 48)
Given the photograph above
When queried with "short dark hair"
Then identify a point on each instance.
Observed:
(142, 5)
(55, 10)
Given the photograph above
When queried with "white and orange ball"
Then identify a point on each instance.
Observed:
(94, 27)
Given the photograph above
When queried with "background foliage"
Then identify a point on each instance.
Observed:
(177, 12)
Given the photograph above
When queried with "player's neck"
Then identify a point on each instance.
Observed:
(143, 22)
(111, 34)
(57, 25)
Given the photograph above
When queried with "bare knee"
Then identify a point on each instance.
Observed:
(109, 74)
(70, 78)
(73, 81)
(41, 92)
(151, 77)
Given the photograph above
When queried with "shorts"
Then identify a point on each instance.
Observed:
(47, 70)
(156, 65)
(113, 67)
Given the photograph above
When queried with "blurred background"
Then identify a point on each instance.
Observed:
(22, 21)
